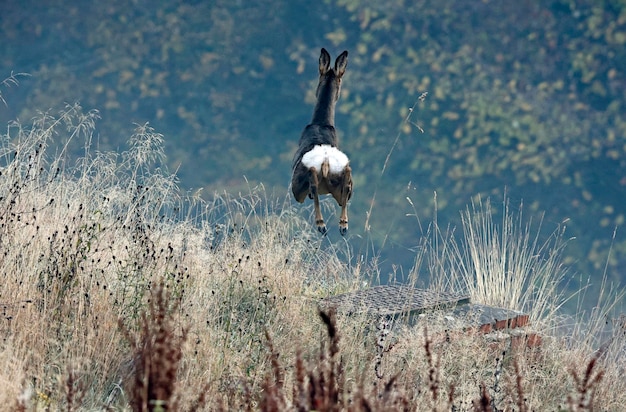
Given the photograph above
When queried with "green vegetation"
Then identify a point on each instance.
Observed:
(523, 97)
(122, 291)
(119, 292)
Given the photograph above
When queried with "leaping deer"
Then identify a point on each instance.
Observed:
(319, 167)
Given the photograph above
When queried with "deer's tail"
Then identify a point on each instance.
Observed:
(325, 168)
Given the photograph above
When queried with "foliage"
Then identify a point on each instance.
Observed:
(524, 96)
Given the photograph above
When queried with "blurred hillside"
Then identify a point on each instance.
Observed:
(523, 97)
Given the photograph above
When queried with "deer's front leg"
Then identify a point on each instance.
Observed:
(319, 220)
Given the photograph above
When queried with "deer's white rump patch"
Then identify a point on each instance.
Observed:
(337, 160)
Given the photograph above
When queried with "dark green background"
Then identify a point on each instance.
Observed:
(523, 96)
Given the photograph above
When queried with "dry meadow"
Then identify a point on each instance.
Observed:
(121, 292)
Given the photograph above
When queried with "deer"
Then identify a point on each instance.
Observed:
(319, 167)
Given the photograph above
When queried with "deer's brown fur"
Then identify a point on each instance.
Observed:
(320, 135)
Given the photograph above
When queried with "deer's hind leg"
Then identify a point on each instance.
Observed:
(346, 193)
(313, 187)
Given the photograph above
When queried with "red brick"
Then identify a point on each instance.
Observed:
(501, 324)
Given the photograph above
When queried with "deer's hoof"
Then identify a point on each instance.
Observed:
(343, 227)
(322, 229)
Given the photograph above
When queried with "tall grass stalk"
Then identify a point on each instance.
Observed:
(507, 264)
(511, 266)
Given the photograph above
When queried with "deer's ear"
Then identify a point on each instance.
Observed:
(341, 63)
(324, 62)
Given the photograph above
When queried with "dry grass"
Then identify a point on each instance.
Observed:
(511, 265)
(119, 292)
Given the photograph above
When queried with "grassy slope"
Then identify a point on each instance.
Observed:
(118, 290)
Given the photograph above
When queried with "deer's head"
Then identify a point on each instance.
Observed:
(330, 78)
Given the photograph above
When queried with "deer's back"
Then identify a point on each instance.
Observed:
(313, 135)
